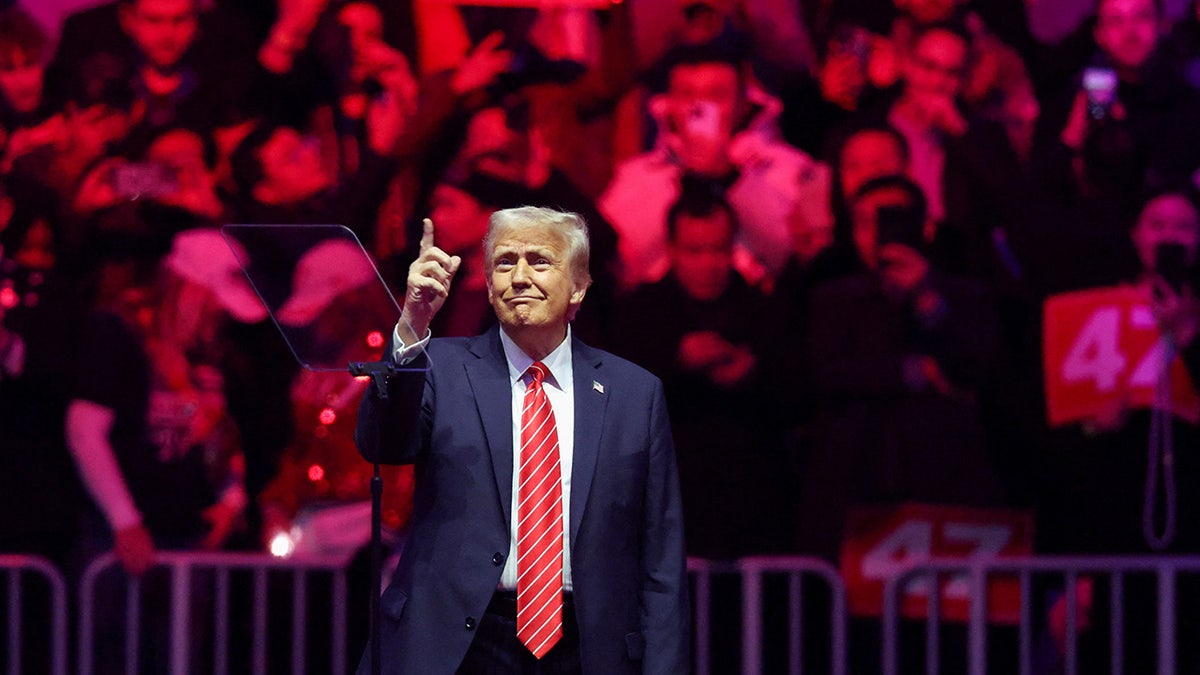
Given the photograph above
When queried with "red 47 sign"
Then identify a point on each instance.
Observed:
(1101, 349)
(882, 542)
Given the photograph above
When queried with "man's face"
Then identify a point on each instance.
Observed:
(702, 99)
(864, 216)
(867, 155)
(1167, 219)
(702, 254)
(461, 220)
(163, 30)
(495, 148)
(937, 65)
(1127, 31)
(530, 284)
(292, 167)
(363, 22)
(36, 251)
(21, 78)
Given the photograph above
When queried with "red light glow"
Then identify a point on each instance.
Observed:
(8, 298)
(328, 416)
(316, 472)
(374, 339)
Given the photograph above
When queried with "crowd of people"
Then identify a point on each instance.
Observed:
(830, 228)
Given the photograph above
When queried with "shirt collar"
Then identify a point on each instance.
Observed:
(558, 361)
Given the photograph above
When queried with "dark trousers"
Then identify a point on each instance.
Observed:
(496, 650)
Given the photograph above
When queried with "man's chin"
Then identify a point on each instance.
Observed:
(522, 317)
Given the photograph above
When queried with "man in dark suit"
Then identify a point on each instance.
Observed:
(615, 598)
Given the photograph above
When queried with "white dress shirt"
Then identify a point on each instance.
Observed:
(559, 386)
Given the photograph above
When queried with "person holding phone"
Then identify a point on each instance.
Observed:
(1166, 237)
(1129, 113)
(1098, 493)
(964, 164)
(898, 355)
(717, 129)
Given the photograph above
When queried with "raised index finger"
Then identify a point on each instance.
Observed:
(491, 42)
(427, 236)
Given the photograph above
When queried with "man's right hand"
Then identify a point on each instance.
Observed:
(135, 549)
(429, 280)
(902, 267)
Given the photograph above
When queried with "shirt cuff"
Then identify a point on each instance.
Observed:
(402, 354)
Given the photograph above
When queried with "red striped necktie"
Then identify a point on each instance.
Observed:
(539, 522)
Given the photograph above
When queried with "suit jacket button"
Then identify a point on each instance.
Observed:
(470, 623)
(497, 559)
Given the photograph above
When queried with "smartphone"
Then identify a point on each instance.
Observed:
(1100, 87)
(144, 179)
(901, 225)
(1171, 263)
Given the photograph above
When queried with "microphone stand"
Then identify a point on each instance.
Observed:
(378, 371)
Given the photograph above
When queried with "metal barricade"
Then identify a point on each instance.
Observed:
(14, 568)
(181, 566)
(753, 570)
(701, 572)
(977, 574)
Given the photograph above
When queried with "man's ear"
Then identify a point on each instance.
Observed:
(579, 291)
(577, 294)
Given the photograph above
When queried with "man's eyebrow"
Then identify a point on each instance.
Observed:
(527, 250)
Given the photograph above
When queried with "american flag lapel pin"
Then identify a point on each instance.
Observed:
(596, 386)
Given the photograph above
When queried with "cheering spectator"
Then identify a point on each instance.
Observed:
(855, 69)
(704, 331)
(714, 129)
(22, 72)
(149, 432)
(1130, 88)
(997, 86)
(174, 171)
(963, 164)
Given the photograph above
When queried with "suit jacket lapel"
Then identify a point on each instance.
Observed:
(591, 401)
(493, 397)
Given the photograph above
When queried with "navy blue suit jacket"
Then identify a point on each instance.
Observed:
(626, 532)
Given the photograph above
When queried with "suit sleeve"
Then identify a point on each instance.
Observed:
(396, 429)
(664, 594)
